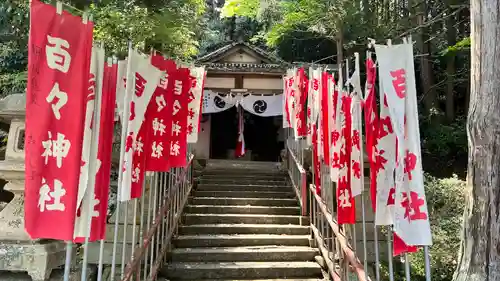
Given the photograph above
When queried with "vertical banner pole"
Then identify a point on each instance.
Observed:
(120, 173)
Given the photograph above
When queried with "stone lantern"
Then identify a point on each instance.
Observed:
(18, 252)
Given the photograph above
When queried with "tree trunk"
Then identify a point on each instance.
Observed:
(423, 44)
(340, 46)
(451, 34)
(480, 248)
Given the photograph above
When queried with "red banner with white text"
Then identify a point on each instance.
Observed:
(59, 61)
(178, 88)
(346, 210)
(159, 119)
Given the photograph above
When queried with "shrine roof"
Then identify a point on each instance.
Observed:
(245, 67)
(234, 47)
(242, 57)
(13, 106)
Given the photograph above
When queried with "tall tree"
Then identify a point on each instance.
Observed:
(451, 36)
(480, 254)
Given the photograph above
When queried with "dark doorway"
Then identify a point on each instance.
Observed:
(223, 133)
(261, 137)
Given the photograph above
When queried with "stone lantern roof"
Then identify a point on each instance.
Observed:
(13, 107)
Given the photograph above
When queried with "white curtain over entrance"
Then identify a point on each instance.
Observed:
(264, 106)
(260, 105)
(214, 102)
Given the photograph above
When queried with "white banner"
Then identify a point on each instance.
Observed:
(198, 73)
(263, 105)
(90, 162)
(142, 80)
(411, 219)
(357, 146)
(357, 152)
(121, 80)
(313, 101)
(335, 131)
(213, 102)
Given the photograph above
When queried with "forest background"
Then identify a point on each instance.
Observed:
(306, 31)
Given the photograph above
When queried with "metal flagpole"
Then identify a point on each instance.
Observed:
(124, 121)
(94, 148)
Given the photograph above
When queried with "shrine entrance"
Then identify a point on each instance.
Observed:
(262, 136)
(223, 133)
(240, 73)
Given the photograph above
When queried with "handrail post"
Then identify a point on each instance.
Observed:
(303, 189)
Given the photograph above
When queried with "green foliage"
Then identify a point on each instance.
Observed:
(446, 204)
(317, 16)
(12, 83)
(14, 28)
(169, 29)
(243, 8)
(444, 147)
(461, 45)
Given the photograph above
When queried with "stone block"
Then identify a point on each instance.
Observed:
(12, 220)
(107, 258)
(15, 142)
(127, 208)
(37, 259)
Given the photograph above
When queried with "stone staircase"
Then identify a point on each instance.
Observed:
(242, 223)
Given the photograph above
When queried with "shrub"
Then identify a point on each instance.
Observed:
(444, 147)
(446, 203)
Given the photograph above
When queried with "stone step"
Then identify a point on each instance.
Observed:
(244, 187)
(242, 270)
(223, 240)
(228, 209)
(277, 229)
(256, 172)
(190, 219)
(243, 201)
(240, 164)
(253, 279)
(245, 194)
(256, 253)
(244, 176)
(208, 180)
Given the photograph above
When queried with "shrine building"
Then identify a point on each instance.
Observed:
(239, 73)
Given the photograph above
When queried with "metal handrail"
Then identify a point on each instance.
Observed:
(346, 248)
(300, 188)
(140, 250)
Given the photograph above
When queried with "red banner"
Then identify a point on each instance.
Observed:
(301, 103)
(106, 135)
(345, 201)
(178, 90)
(158, 120)
(371, 126)
(59, 61)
